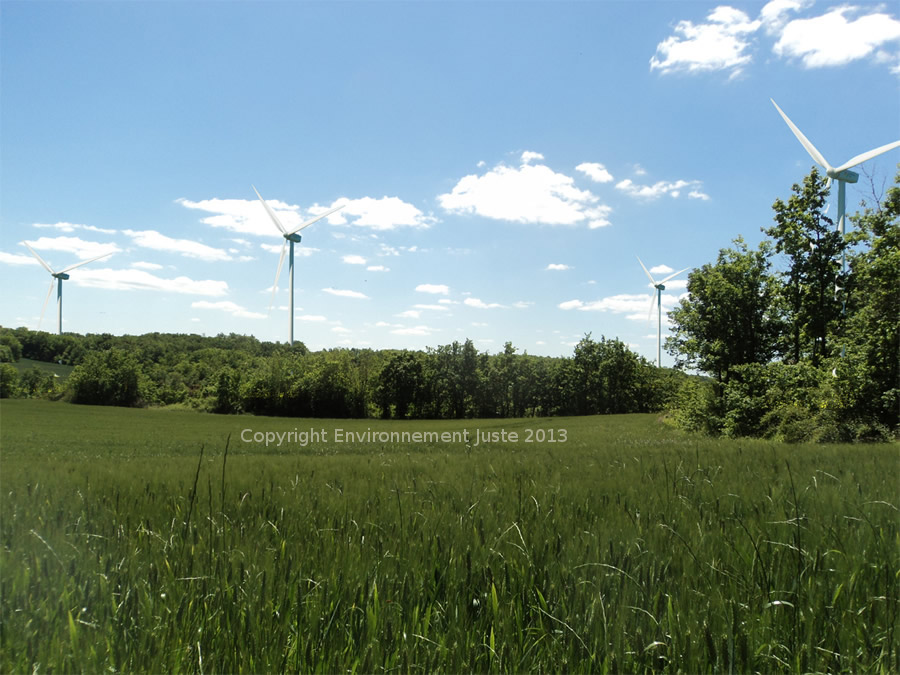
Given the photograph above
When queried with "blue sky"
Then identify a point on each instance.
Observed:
(501, 164)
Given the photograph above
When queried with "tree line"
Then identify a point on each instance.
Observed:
(239, 374)
(794, 346)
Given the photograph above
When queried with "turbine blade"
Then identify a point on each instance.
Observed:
(804, 141)
(85, 262)
(649, 276)
(270, 212)
(866, 156)
(317, 218)
(672, 276)
(39, 258)
(278, 273)
(652, 305)
(46, 300)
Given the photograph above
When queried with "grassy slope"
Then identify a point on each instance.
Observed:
(629, 547)
(55, 368)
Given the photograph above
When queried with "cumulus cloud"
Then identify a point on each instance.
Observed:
(673, 189)
(354, 260)
(634, 306)
(146, 265)
(529, 193)
(17, 259)
(413, 330)
(721, 43)
(480, 304)
(135, 279)
(186, 247)
(838, 37)
(386, 213)
(346, 294)
(81, 248)
(438, 289)
(557, 267)
(378, 268)
(728, 39)
(228, 307)
(596, 172)
(433, 308)
(529, 156)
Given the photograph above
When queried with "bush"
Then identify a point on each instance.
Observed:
(9, 381)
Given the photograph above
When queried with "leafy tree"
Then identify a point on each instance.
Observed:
(730, 316)
(111, 377)
(9, 381)
(813, 248)
(399, 384)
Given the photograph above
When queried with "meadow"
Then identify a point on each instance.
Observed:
(160, 541)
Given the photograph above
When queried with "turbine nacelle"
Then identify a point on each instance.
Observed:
(293, 237)
(61, 275)
(846, 175)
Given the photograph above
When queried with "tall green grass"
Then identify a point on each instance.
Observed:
(629, 548)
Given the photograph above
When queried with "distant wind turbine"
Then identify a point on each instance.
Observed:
(60, 277)
(289, 237)
(658, 300)
(841, 174)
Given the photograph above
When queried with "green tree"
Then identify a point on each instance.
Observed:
(111, 377)
(9, 381)
(813, 248)
(730, 316)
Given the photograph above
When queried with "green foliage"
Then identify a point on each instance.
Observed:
(9, 381)
(738, 318)
(730, 315)
(111, 377)
(632, 547)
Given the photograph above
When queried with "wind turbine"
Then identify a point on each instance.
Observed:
(60, 277)
(289, 237)
(841, 174)
(658, 300)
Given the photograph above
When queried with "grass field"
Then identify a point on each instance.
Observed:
(60, 370)
(629, 547)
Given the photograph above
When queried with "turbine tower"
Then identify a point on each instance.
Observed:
(60, 277)
(289, 237)
(660, 287)
(841, 174)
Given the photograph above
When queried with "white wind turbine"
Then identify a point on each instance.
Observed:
(60, 277)
(289, 237)
(841, 174)
(659, 286)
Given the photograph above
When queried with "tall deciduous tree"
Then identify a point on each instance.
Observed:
(813, 276)
(728, 317)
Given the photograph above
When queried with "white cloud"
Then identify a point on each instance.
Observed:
(529, 156)
(480, 304)
(146, 265)
(696, 194)
(447, 301)
(299, 251)
(71, 227)
(81, 248)
(557, 267)
(314, 318)
(634, 306)
(439, 289)
(409, 314)
(596, 172)
(386, 213)
(722, 43)
(340, 329)
(661, 269)
(190, 249)
(17, 259)
(354, 260)
(437, 308)
(246, 216)
(530, 193)
(660, 188)
(378, 268)
(837, 37)
(346, 294)
(728, 39)
(132, 279)
(523, 304)
(228, 307)
(413, 330)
